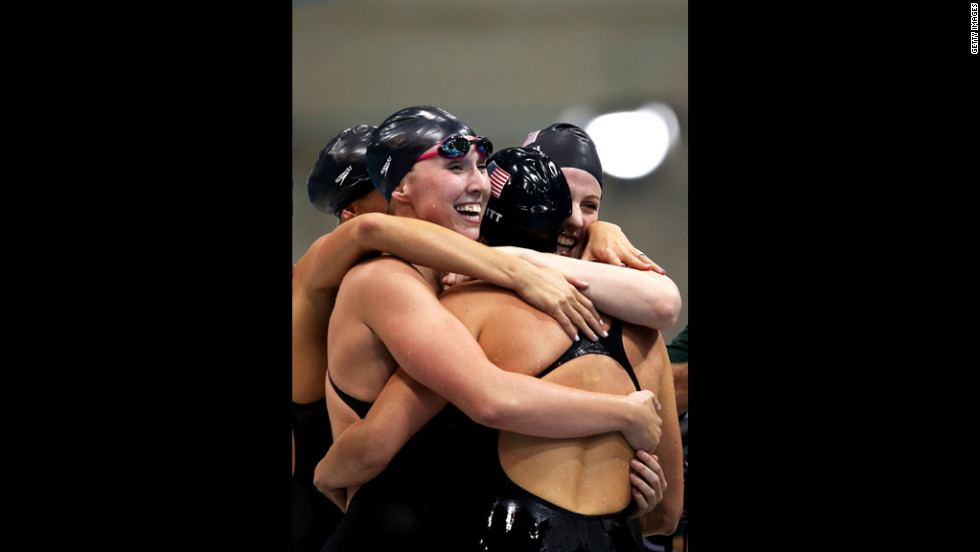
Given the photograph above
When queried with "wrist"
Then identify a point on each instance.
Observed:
(603, 224)
(519, 271)
(629, 413)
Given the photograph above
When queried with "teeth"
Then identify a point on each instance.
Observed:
(470, 209)
(567, 242)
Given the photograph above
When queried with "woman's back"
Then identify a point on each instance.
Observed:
(584, 475)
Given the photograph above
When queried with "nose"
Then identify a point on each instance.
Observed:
(478, 181)
(575, 221)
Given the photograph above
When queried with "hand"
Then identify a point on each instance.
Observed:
(645, 432)
(608, 244)
(548, 290)
(648, 482)
(452, 279)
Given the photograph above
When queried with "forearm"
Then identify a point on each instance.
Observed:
(680, 385)
(664, 518)
(440, 353)
(417, 241)
(524, 404)
(365, 448)
(645, 298)
(353, 459)
(659, 522)
(434, 246)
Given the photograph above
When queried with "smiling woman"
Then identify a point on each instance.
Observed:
(431, 166)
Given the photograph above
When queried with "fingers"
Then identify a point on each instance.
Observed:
(577, 282)
(634, 260)
(641, 501)
(639, 260)
(451, 279)
(647, 479)
(594, 325)
(653, 473)
(576, 313)
(645, 494)
(576, 318)
(566, 324)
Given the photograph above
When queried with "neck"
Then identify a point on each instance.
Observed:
(432, 276)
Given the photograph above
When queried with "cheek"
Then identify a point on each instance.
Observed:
(588, 219)
(377, 203)
(486, 195)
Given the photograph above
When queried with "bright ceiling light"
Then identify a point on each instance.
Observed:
(631, 144)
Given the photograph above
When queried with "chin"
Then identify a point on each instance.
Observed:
(469, 232)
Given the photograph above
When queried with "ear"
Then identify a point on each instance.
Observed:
(399, 194)
(348, 213)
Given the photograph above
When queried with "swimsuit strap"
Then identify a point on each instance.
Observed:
(357, 405)
(611, 346)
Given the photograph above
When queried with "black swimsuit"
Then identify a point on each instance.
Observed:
(314, 515)
(357, 405)
(518, 521)
(434, 494)
(402, 508)
(611, 346)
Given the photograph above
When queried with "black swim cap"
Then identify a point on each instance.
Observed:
(569, 146)
(403, 137)
(340, 176)
(529, 200)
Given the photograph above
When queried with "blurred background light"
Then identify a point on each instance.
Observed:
(515, 67)
(632, 144)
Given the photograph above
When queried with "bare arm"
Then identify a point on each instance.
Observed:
(366, 447)
(680, 384)
(608, 244)
(436, 350)
(431, 245)
(645, 298)
(648, 483)
(663, 519)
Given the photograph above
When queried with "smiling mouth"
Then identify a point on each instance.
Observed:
(470, 211)
(565, 244)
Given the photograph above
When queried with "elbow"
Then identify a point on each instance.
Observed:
(669, 311)
(491, 412)
(673, 509)
(321, 481)
(357, 467)
(671, 520)
(665, 523)
(494, 403)
(665, 308)
(366, 227)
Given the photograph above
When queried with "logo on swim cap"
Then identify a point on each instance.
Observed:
(531, 136)
(343, 175)
(498, 178)
(384, 169)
